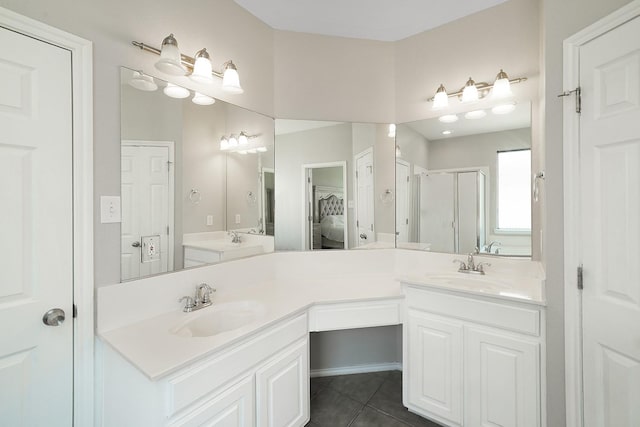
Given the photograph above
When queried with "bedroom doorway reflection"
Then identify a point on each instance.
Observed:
(325, 213)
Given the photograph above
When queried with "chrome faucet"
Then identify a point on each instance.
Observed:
(235, 237)
(488, 248)
(201, 300)
(470, 266)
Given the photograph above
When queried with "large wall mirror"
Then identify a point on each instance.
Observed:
(334, 185)
(197, 178)
(464, 182)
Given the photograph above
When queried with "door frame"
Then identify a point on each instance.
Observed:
(340, 163)
(170, 145)
(408, 206)
(571, 182)
(82, 133)
(263, 189)
(356, 192)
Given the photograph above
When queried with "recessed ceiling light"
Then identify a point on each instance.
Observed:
(448, 118)
(476, 114)
(446, 132)
(503, 109)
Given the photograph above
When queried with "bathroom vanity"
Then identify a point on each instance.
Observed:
(473, 346)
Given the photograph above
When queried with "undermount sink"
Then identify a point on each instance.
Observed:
(220, 318)
(469, 281)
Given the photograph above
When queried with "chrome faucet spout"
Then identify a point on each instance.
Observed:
(202, 298)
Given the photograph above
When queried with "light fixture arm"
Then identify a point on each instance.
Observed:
(187, 61)
(483, 87)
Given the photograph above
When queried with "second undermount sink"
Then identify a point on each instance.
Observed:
(220, 318)
(469, 281)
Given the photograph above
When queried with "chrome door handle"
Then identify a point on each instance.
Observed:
(136, 244)
(53, 317)
(363, 236)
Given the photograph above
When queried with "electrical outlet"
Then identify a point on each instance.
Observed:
(209, 219)
(237, 218)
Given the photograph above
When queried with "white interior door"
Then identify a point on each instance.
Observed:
(610, 226)
(437, 219)
(36, 232)
(365, 198)
(145, 210)
(402, 201)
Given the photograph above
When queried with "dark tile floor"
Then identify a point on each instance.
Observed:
(361, 400)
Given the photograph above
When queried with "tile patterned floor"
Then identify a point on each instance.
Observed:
(361, 400)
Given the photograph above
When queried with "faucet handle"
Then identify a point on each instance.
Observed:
(203, 292)
(189, 304)
(480, 266)
(463, 266)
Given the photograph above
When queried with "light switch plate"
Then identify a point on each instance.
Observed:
(109, 209)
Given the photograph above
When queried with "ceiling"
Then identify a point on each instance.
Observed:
(382, 20)
(284, 126)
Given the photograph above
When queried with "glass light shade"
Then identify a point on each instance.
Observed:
(202, 68)
(242, 139)
(231, 79)
(174, 91)
(503, 109)
(170, 61)
(448, 118)
(474, 115)
(470, 91)
(224, 143)
(261, 149)
(202, 99)
(501, 87)
(233, 141)
(392, 131)
(441, 99)
(143, 82)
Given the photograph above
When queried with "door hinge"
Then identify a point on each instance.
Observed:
(356, 174)
(309, 180)
(167, 230)
(407, 178)
(169, 166)
(357, 223)
(578, 92)
(407, 221)
(580, 278)
(75, 311)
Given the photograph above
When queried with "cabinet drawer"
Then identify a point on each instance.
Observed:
(331, 317)
(188, 386)
(501, 315)
(201, 255)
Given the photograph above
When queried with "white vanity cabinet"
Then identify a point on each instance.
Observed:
(472, 361)
(262, 381)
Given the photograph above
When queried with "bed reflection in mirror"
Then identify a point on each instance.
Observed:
(464, 184)
(334, 185)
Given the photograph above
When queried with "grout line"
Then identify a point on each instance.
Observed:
(356, 417)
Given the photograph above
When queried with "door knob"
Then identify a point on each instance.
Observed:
(363, 236)
(136, 244)
(53, 317)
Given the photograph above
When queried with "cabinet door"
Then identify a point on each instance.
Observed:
(282, 388)
(434, 371)
(502, 386)
(234, 407)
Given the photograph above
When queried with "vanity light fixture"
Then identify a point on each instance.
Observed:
(240, 143)
(173, 63)
(233, 141)
(224, 143)
(243, 152)
(476, 114)
(174, 91)
(448, 118)
(202, 99)
(473, 91)
(170, 61)
(470, 92)
(143, 82)
(441, 99)
(446, 132)
(261, 149)
(202, 68)
(243, 138)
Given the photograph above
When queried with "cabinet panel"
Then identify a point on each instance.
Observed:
(502, 386)
(232, 408)
(282, 388)
(434, 373)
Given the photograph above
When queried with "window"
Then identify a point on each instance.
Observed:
(514, 191)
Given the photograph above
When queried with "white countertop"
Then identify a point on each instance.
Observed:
(220, 245)
(285, 284)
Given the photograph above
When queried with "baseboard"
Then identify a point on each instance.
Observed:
(357, 369)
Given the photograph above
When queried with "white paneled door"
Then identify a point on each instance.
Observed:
(365, 198)
(36, 232)
(610, 226)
